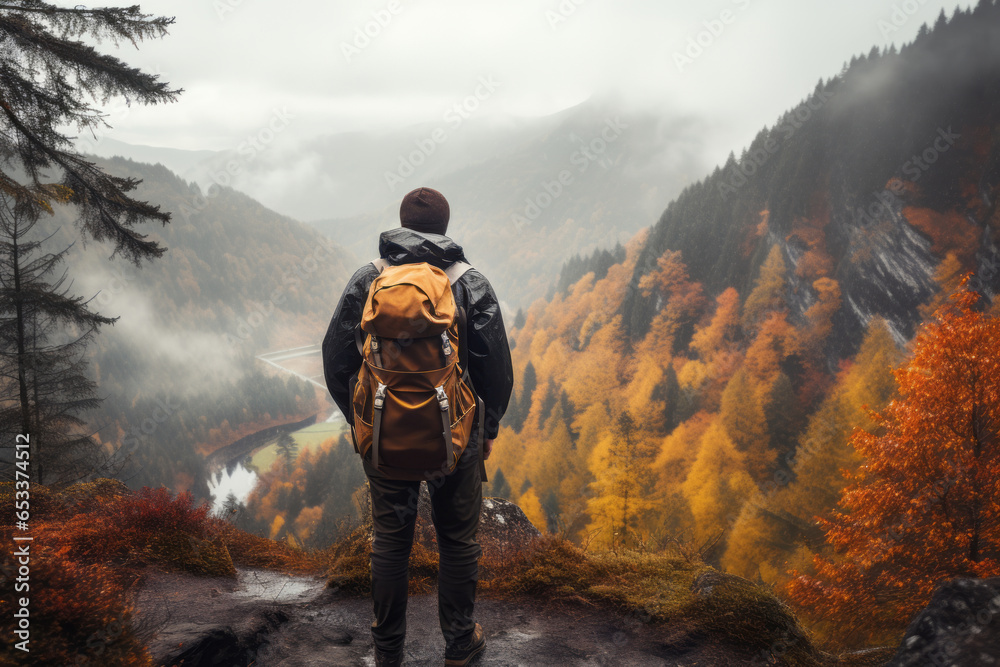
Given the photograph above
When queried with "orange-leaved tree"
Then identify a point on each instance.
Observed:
(925, 506)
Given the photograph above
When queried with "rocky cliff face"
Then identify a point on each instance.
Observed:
(886, 268)
(872, 180)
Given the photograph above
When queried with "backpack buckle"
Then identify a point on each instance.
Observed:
(442, 398)
(380, 396)
(445, 343)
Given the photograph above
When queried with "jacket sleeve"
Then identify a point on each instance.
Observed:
(341, 358)
(489, 353)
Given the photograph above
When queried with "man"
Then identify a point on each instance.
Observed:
(456, 497)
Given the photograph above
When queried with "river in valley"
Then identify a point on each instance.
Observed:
(232, 476)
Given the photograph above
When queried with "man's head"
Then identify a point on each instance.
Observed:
(425, 210)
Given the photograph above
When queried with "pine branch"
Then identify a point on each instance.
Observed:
(45, 76)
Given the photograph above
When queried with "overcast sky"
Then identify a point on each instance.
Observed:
(240, 60)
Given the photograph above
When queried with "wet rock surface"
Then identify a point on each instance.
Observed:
(960, 626)
(272, 620)
(200, 619)
(268, 619)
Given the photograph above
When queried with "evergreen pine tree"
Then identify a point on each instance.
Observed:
(48, 79)
(288, 449)
(44, 332)
(499, 487)
(520, 402)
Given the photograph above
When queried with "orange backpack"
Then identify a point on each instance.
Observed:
(413, 404)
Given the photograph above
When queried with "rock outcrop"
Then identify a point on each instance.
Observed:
(503, 528)
(960, 627)
(245, 624)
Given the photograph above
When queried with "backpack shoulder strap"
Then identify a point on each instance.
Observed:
(463, 352)
(456, 271)
(381, 264)
(359, 339)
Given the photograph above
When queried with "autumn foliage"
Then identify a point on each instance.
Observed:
(729, 427)
(925, 506)
(92, 544)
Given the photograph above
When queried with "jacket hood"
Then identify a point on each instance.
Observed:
(405, 246)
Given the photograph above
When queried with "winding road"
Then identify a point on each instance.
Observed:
(276, 356)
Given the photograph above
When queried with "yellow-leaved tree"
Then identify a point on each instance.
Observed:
(622, 500)
(777, 529)
(717, 484)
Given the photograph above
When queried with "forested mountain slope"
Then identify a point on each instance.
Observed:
(704, 387)
(876, 177)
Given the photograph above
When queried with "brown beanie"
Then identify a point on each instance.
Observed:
(425, 210)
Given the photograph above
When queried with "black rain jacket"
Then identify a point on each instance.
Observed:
(486, 338)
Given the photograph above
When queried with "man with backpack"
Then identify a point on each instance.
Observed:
(417, 359)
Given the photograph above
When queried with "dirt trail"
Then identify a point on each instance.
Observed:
(271, 620)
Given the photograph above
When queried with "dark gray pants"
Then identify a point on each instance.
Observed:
(455, 503)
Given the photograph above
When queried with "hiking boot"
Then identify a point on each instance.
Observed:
(460, 657)
(388, 659)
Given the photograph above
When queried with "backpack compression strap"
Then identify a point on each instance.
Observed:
(359, 337)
